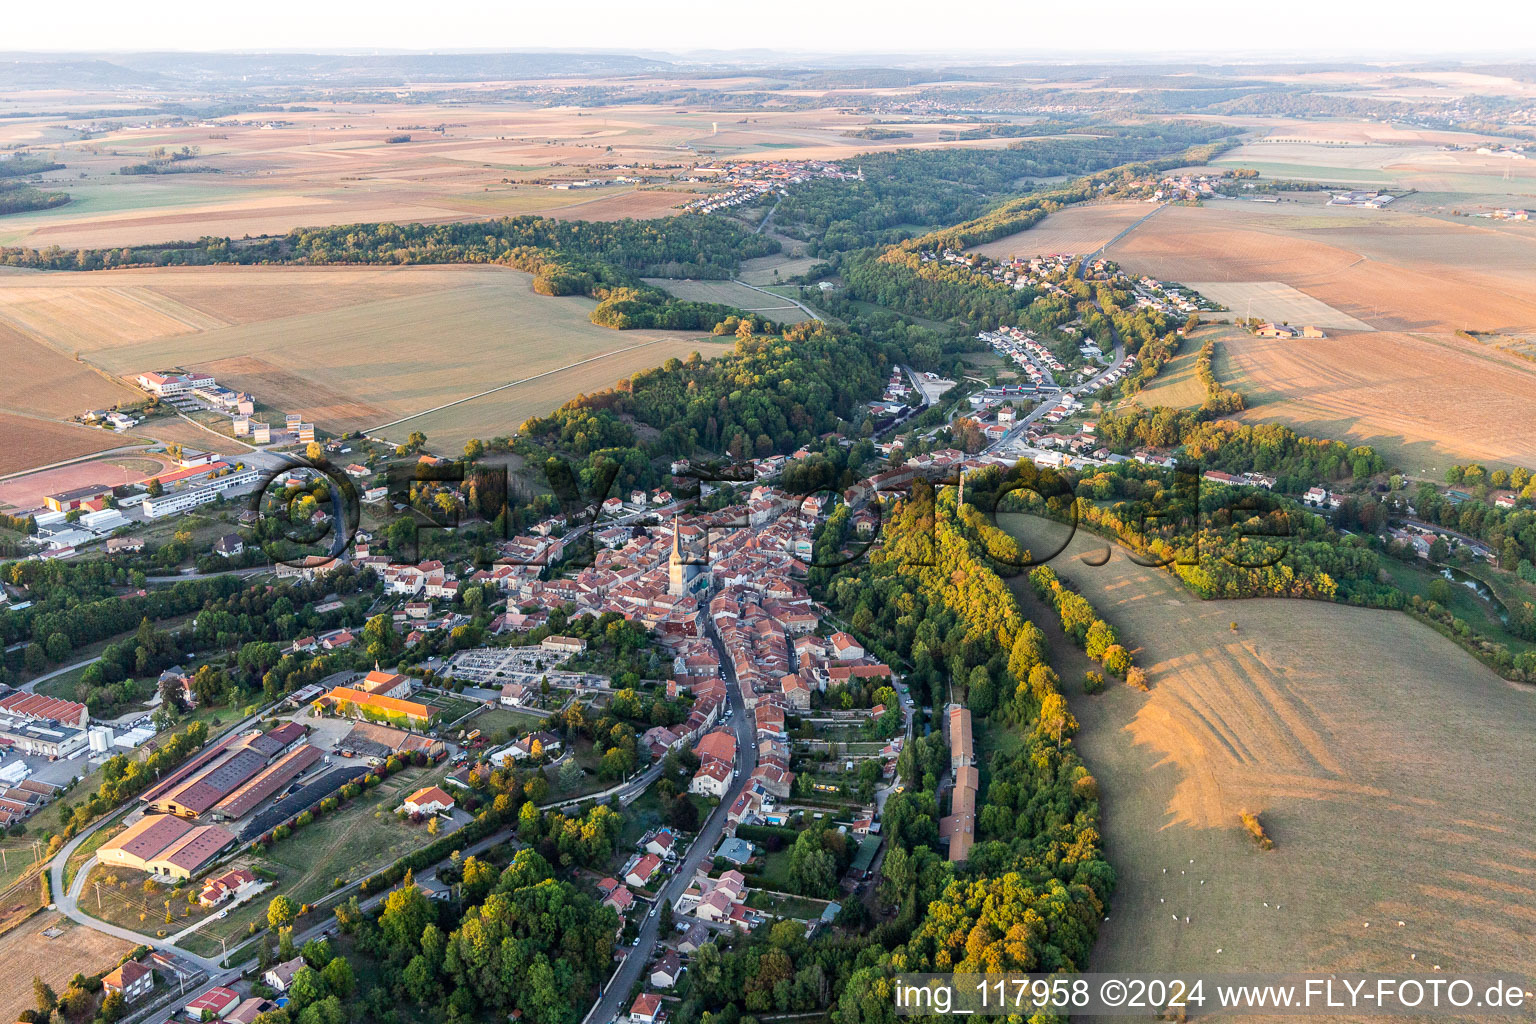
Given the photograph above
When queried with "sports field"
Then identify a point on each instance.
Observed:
(1388, 766)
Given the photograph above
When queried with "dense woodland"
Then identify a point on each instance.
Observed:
(905, 192)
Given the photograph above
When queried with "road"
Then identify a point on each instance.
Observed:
(782, 298)
(1092, 384)
(612, 1002)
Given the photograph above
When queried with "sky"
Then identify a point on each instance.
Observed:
(1087, 28)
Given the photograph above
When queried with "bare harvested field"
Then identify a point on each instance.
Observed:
(1424, 402)
(732, 294)
(27, 952)
(1396, 791)
(27, 491)
(28, 441)
(1394, 271)
(333, 165)
(345, 348)
(1077, 230)
(505, 410)
(1271, 300)
(46, 382)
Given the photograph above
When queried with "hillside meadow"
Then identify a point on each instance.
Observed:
(1390, 768)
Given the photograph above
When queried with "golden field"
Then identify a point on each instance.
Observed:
(1389, 767)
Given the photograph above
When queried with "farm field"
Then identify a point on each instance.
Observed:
(1395, 271)
(1394, 165)
(1177, 386)
(28, 441)
(732, 294)
(26, 951)
(503, 411)
(346, 348)
(1077, 229)
(1425, 402)
(1360, 777)
(1272, 300)
(333, 165)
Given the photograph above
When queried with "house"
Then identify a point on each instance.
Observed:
(249, 1010)
(229, 545)
(643, 871)
(234, 883)
(620, 899)
(280, 976)
(737, 851)
(712, 779)
(646, 1009)
(429, 800)
(214, 1003)
(563, 644)
(513, 694)
(696, 935)
(132, 980)
(662, 844)
(719, 745)
(846, 648)
(666, 971)
(523, 746)
(796, 691)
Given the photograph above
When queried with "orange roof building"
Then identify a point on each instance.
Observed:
(373, 707)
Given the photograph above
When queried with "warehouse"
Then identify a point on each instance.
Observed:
(163, 844)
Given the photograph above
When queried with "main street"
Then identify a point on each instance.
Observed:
(612, 1001)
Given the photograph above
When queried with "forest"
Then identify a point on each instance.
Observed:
(904, 192)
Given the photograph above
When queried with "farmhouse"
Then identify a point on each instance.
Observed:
(132, 981)
(229, 885)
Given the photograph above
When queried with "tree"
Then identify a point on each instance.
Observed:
(314, 452)
(281, 912)
(571, 774)
(43, 995)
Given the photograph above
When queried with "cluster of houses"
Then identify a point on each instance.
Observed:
(1021, 346)
(751, 180)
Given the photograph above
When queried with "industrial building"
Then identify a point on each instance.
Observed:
(164, 844)
(236, 775)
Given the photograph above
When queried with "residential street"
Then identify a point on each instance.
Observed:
(614, 999)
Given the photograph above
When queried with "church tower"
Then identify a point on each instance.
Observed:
(680, 574)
